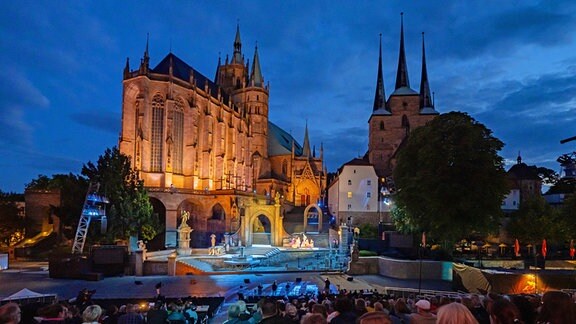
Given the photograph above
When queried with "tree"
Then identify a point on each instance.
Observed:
(450, 179)
(536, 220)
(12, 224)
(130, 213)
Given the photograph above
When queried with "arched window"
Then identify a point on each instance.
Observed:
(382, 125)
(178, 136)
(218, 212)
(285, 167)
(406, 123)
(157, 133)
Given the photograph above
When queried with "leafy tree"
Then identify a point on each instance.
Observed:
(536, 220)
(568, 214)
(11, 223)
(450, 179)
(130, 212)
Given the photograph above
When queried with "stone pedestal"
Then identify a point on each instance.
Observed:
(172, 264)
(184, 240)
(139, 263)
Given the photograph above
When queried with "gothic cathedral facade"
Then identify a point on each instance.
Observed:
(207, 146)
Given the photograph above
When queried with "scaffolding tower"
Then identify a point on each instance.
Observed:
(94, 208)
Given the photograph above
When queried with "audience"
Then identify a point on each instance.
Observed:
(10, 313)
(455, 313)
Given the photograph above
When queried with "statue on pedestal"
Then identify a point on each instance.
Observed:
(185, 217)
(184, 235)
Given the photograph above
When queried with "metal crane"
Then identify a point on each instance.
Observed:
(94, 208)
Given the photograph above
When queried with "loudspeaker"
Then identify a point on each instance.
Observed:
(349, 278)
(298, 280)
(246, 281)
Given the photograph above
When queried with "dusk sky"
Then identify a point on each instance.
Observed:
(511, 65)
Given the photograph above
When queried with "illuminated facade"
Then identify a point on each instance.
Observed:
(205, 145)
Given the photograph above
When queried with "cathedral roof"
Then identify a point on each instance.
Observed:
(521, 171)
(280, 142)
(182, 70)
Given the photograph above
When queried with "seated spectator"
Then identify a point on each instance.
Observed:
(10, 313)
(320, 309)
(557, 307)
(378, 307)
(53, 314)
(131, 316)
(455, 313)
(233, 314)
(360, 307)
(374, 318)
(91, 314)
(176, 316)
(401, 312)
(190, 313)
(478, 310)
(343, 312)
(504, 312)
(157, 314)
(313, 318)
(270, 313)
(291, 314)
(422, 314)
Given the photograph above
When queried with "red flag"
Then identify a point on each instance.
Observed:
(544, 248)
(517, 248)
(424, 239)
(572, 249)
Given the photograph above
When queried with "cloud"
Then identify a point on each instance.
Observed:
(97, 119)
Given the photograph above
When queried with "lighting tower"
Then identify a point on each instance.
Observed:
(94, 208)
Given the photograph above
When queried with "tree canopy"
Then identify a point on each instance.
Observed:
(536, 220)
(450, 179)
(130, 213)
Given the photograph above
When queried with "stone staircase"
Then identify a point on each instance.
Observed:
(192, 266)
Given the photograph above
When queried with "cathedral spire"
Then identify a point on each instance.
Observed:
(256, 78)
(237, 56)
(145, 62)
(218, 68)
(425, 98)
(127, 68)
(306, 146)
(380, 95)
(402, 73)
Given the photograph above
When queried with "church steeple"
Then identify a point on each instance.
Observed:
(380, 95)
(306, 146)
(402, 73)
(426, 103)
(218, 69)
(145, 62)
(256, 78)
(237, 56)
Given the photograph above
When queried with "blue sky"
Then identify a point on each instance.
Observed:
(509, 64)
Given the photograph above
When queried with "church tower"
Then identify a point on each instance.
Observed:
(391, 121)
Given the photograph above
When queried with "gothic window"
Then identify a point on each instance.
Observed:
(350, 181)
(284, 167)
(349, 206)
(178, 136)
(381, 125)
(157, 133)
(405, 122)
(218, 212)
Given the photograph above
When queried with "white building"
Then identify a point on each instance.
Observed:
(353, 194)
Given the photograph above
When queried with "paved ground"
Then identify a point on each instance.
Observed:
(34, 276)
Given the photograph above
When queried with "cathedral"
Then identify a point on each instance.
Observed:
(207, 147)
(359, 192)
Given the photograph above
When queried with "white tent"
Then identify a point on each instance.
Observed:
(28, 296)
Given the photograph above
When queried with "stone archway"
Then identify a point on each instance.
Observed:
(261, 230)
(159, 241)
(254, 211)
(307, 213)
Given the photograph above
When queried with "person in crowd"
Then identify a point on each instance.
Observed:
(91, 314)
(233, 314)
(455, 313)
(53, 314)
(291, 314)
(557, 308)
(379, 307)
(504, 311)
(132, 316)
(10, 313)
(478, 310)
(527, 310)
(360, 307)
(343, 312)
(423, 314)
(320, 309)
(313, 318)
(374, 318)
(190, 313)
(400, 312)
(157, 314)
(176, 315)
(274, 287)
(270, 313)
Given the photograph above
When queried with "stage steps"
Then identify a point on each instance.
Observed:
(192, 265)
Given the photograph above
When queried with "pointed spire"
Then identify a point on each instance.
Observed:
(256, 79)
(218, 68)
(237, 57)
(519, 158)
(145, 62)
(402, 73)
(425, 98)
(306, 146)
(127, 68)
(380, 95)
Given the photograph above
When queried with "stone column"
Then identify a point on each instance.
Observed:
(139, 263)
(184, 240)
(172, 264)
